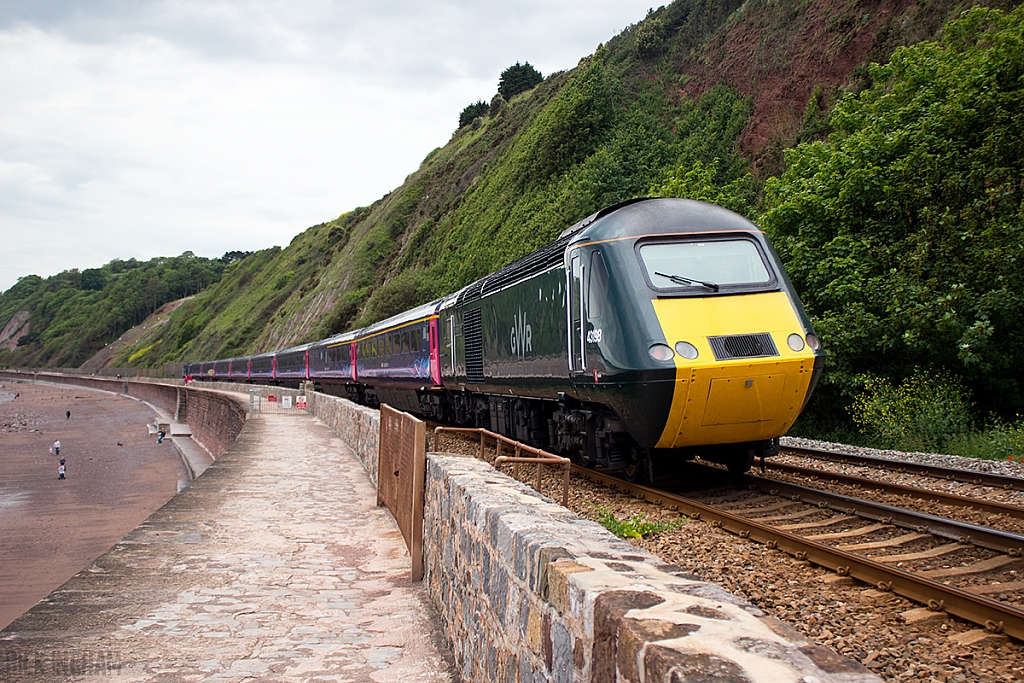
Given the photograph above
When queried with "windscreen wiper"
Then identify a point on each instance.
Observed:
(680, 280)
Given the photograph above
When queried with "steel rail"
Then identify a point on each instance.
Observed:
(991, 507)
(949, 473)
(962, 532)
(995, 616)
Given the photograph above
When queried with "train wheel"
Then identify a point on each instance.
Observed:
(741, 462)
(640, 470)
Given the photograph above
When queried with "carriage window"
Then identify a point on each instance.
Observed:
(597, 288)
(415, 343)
(704, 266)
(405, 342)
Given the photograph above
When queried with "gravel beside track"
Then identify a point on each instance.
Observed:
(853, 618)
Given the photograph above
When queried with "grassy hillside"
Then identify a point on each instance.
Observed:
(725, 87)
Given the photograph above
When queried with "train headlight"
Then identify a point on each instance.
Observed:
(796, 342)
(686, 350)
(661, 352)
(813, 342)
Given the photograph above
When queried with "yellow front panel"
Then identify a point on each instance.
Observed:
(731, 401)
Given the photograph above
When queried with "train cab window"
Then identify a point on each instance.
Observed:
(597, 287)
(705, 266)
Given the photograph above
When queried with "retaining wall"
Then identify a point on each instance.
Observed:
(528, 591)
(215, 419)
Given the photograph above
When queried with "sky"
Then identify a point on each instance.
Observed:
(144, 128)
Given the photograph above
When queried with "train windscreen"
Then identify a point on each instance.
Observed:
(706, 265)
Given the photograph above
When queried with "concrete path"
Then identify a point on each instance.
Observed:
(274, 565)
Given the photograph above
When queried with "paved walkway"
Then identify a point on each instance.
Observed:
(274, 565)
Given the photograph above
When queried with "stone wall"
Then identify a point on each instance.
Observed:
(358, 426)
(215, 419)
(528, 591)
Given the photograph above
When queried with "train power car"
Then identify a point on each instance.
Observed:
(652, 331)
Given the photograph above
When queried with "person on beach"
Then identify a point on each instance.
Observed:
(60, 471)
(63, 466)
(69, 414)
(56, 447)
(160, 436)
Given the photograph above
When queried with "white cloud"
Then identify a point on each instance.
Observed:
(141, 130)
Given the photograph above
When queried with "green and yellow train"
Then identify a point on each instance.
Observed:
(653, 331)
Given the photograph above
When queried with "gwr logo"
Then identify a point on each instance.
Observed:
(521, 336)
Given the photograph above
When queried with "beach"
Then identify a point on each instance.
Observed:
(117, 475)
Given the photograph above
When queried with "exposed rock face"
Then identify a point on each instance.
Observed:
(16, 328)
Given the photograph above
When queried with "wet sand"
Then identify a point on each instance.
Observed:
(117, 475)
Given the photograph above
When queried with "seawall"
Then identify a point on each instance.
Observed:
(215, 419)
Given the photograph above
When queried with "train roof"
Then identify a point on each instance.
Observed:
(632, 218)
(655, 216)
(295, 349)
(424, 311)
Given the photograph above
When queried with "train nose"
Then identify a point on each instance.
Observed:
(734, 403)
(741, 378)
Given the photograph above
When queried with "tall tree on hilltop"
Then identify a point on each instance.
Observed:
(518, 78)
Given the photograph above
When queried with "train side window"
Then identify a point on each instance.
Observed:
(597, 287)
(415, 343)
(405, 342)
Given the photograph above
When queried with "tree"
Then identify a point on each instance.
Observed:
(472, 111)
(518, 78)
(94, 278)
(232, 256)
(902, 230)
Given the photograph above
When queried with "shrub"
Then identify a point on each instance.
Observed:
(1002, 440)
(473, 111)
(923, 412)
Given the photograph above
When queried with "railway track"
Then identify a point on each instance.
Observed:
(967, 570)
(998, 481)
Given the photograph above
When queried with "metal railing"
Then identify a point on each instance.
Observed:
(540, 458)
(276, 401)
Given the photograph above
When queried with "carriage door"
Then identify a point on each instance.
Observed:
(577, 327)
